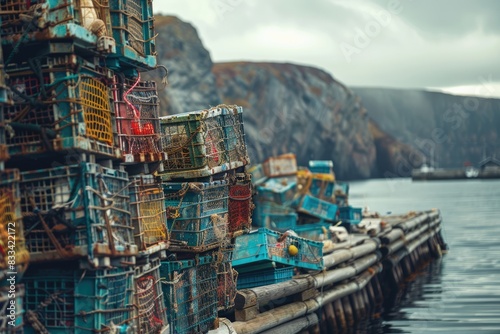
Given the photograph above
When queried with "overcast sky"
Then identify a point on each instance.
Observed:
(453, 45)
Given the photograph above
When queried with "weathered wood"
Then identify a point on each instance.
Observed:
(356, 308)
(323, 323)
(330, 318)
(343, 255)
(340, 315)
(246, 314)
(294, 326)
(305, 295)
(349, 317)
(262, 295)
(276, 317)
(315, 329)
(393, 235)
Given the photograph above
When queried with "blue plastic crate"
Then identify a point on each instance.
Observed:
(322, 186)
(274, 216)
(195, 199)
(67, 106)
(86, 26)
(264, 245)
(68, 300)
(147, 210)
(264, 277)
(18, 312)
(353, 215)
(202, 143)
(132, 23)
(190, 291)
(197, 213)
(149, 298)
(314, 231)
(318, 208)
(280, 190)
(321, 166)
(86, 211)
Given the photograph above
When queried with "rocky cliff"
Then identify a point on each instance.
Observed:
(445, 130)
(288, 108)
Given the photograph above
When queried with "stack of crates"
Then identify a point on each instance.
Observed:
(84, 130)
(208, 199)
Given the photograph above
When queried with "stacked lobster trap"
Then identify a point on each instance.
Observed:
(80, 137)
(208, 200)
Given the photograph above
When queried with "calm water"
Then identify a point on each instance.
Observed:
(461, 292)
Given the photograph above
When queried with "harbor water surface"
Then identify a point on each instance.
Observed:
(459, 293)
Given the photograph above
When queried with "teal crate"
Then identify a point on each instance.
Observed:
(190, 292)
(64, 106)
(149, 299)
(86, 26)
(197, 213)
(281, 190)
(264, 245)
(314, 231)
(86, 211)
(350, 214)
(68, 300)
(226, 277)
(12, 314)
(264, 277)
(132, 24)
(199, 143)
(341, 189)
(195, 199)
(234, 134)
(147, 211)
(136, 104)
(321, 166)
(274, 216)
(318, 208)
(322, 187)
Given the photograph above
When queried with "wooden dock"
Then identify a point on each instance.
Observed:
(357, 275)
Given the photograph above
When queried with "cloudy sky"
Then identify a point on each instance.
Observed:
(450, 45)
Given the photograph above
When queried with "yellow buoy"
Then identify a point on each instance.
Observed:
(293, 250)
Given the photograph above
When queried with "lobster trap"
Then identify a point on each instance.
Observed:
(132, 24)
(197, 213)
(264, 247)
(11, 315)
(274, 216)
(149, 299)
(77, 211)
(13, 253)
(226, 277)
(61, 104)
(85, 22)
(147, 208)
(203, 143)
(68, 300)
(240, 205)
(137, 119)
(190, 290)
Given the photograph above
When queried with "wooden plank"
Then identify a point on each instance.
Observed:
(246, 314)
